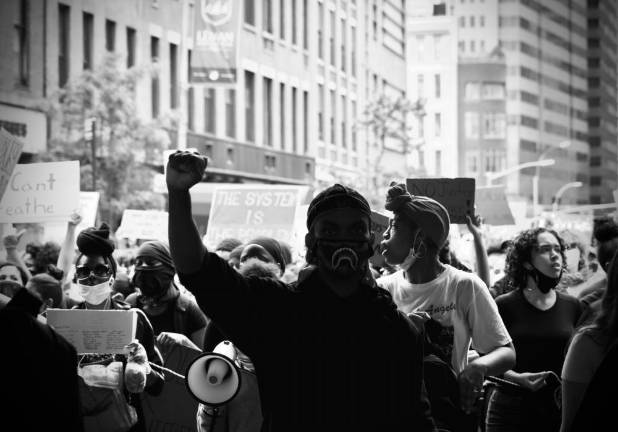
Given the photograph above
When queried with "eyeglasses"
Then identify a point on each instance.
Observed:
(99, 270)
(545, 249)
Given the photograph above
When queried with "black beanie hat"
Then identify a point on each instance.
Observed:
(273, 247)
(158, 250)
(334, 197)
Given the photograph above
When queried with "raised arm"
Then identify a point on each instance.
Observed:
(10, 242)
(184, 169)
(67, 251)
(482, 262)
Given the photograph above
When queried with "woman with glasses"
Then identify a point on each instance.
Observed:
(540, 320)
(95, 271)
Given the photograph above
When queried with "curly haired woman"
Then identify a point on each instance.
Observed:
(541, 322)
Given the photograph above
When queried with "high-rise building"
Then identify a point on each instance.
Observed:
(602, 90)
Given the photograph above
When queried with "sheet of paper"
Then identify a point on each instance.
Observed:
(95, 331)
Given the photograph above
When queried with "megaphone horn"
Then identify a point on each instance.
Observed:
(213, 378)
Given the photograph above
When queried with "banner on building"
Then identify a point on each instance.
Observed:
(248, 211)
(214, 57)
(41, 192)
(456, 194)
(10, 149)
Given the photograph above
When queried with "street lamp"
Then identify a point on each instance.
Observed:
(535, 179)
(539, 163)
(561, 191)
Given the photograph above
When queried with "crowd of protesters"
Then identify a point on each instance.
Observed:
(428, 341)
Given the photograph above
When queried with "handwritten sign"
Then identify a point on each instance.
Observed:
(41, 192)
(379, 224)
(492, 206)
(456, 194)
(248, 211)
(143, 224)
(95, 331)
(10, 149)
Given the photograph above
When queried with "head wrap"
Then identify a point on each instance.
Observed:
(335, 197)
(158, 250)
(96, 242)
(228, 244)
(273, 247)
(428, 214)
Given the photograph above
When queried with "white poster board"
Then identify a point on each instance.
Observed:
(41, 192)
(95, 331)
(144, 225)
(10, 149)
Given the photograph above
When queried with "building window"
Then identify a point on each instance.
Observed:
(249, 106)
(230, 113)
(64, 43)
(494, 125)
(282, 115)
(282, 19)
(353, 109)
(472, 163)
(462, 21)
(472, 125)
(438, 162)
(173, 76)
(321, 31)
(305, 25)
(420, 84)
(493, 91)
(481, 21)
(438, 85)
(344, 117)
(294, 24)
(472, 91)
(332, 37)
(154, 83)
(472, 21)
(320, 112)
(88, 29)
(294, 119)
(353, 50)
(249, 12)
(305, 121)
(210, 118)
(190, 97)
(342, 42)
(437, 124)
(267, 16)
(130, 47)
(110, 35)
(267, 112)
(421, 127)
(472, 46)
(462, 46)
(22, 27)
(333, 103)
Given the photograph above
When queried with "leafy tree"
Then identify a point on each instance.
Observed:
(126, 146)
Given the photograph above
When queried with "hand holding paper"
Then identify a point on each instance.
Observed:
(137, 368)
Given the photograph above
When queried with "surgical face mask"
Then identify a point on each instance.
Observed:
(543, 282)
(413, 255)
(96, 294)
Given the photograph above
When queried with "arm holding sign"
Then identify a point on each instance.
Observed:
(10, 244)
(482, 262)
(67, 251)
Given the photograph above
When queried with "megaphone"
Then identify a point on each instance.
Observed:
(213, 378)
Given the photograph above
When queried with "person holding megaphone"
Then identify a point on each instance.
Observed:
(331, 351)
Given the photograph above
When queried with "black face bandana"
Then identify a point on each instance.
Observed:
(344, 256)
(153, 283)
(543, 282)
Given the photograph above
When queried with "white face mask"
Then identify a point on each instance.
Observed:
(96, 294)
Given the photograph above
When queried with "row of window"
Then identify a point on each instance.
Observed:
(471, 21)
(437, 86)
(341, 113)
(297, 8)
(491, 160)
(471, 44)
(341, 41)
(487, 125)
(474, 90)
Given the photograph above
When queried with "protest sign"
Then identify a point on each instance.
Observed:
(492, 206)
(379, 224)
(95, 331)
(10, 149)
(41, 192)
(144, 225)
(88, 205)
(456, 194)
(248, 211)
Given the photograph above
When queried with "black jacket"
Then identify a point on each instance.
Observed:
(39, 385)
(323, 362)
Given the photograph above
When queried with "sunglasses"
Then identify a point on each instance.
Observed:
(99, 270)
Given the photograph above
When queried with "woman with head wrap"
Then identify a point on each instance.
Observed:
(456, 304)
(174, 315)
(95, 271)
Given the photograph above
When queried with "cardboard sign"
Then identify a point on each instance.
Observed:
(144, 225)
(10, 149)
(493, 207)
(95, 331)
(456, 194)
(41, 192)
(248, 211)
(379, 224)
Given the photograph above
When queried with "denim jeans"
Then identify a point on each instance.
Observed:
(507, 412)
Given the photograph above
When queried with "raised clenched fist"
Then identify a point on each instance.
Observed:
(184, 169)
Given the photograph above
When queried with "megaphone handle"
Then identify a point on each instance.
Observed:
(213, 416)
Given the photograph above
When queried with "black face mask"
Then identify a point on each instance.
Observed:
(543, 282)
(153, 283)
(344, 256)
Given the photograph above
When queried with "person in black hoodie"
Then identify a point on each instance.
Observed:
(39, 385)
(331, 351)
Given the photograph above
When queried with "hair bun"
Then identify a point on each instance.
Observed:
(396, 196)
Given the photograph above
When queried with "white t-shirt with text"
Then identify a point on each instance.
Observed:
(462, 306)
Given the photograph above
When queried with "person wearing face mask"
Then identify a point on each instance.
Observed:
(457, 305)
(331, 351)
(12, 279)
(541, 321)
(175, 317)
(95, 271)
